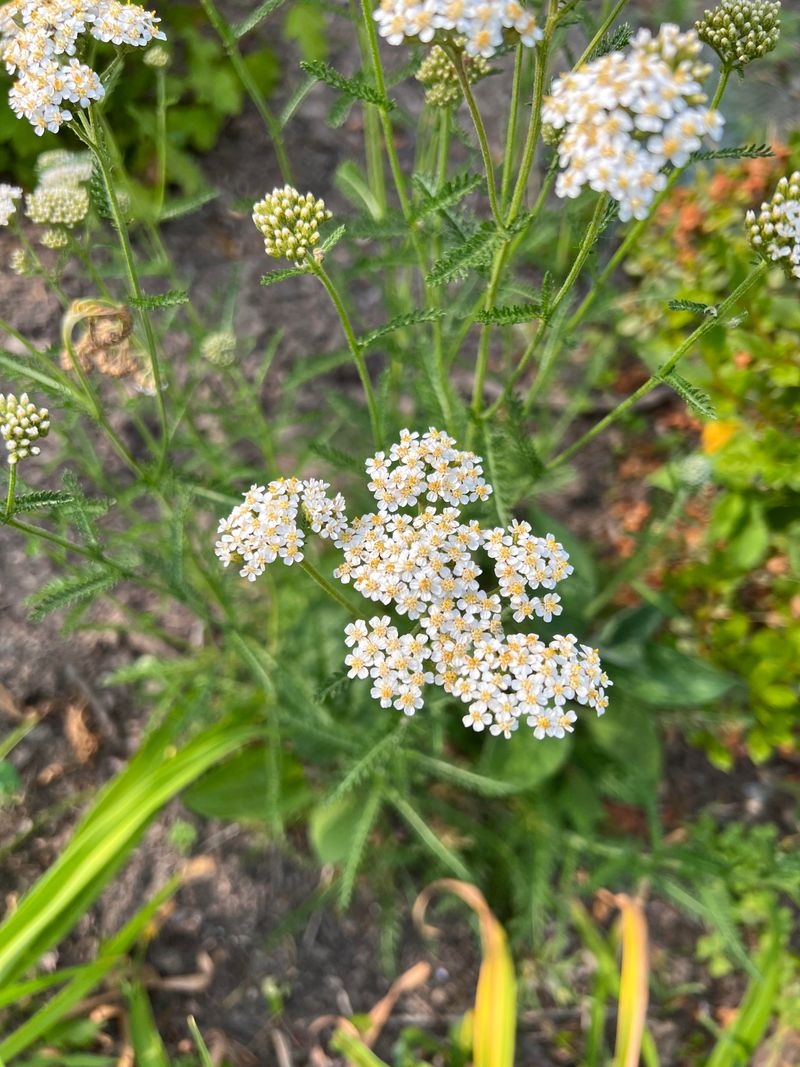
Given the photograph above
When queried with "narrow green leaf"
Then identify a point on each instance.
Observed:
(256, 17)
(66, 592)
(747, 151)
(511, 314)
(280, 275)
(457, 261)
(356, 88)
(697, 400)
(400, 323)
(171, 298)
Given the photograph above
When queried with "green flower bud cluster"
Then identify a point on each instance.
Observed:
(740, 31)
(775, 232)
(157, 56)
(219, 348)
(438, 74)
(21, 263)
(57, 205)
(22, 424)
(289, 223)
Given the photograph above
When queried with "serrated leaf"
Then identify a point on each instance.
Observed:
(697, 400)
(457, 261)
(747, 151)
(337, 458)
(41, 500)
(280, 275)
(454, 190)
(690, 305)
(356, 88)
(530, 459)
(171, 298)
(333, 239)
(510, 314)
(177, 209)
(399, 323)
(98, 194)
(613, 41)
(66, 592)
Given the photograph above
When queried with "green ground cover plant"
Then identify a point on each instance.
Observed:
(410, 657)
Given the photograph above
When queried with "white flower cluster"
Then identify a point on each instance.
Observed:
(775, 232)
(265, 528)
(289, 222)
(8, 194)
(627, 114)
(423, 565)
(22, 424)
(61, 167)
(39, 40)
(57, 205)
(480, 26)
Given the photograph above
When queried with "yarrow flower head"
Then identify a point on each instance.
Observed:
(38, 43)
(627, 114)
(775, 231)
(22, 424)
(480, 27)
(62, 205)
(438, 75)
(416, 555)
(219, 348)
(8, 194)
(740, 31)
(289, 223)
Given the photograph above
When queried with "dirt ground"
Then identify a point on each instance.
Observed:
(221, 929)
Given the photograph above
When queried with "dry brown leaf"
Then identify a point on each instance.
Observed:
(83, 742)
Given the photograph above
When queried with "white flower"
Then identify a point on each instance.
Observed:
(479, 27)
(775, 232)
(8, 194)
(21, 425)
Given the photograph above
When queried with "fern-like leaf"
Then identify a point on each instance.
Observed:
(42, 500)
(691, 305)
(358, 844)
(457, 261)
(337, 458)
(98, 194)
(356, 88)
(511, 314)
(280, 275)
(333, 239)
(613, 41)
(453, 191)
(187, 205)
(399, 323)
(697, 400)
(529, 458)
(746, 151)
(172, 298)
(69, 592)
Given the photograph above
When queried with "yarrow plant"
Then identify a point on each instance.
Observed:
(625, 115)
(22, 425)
(740, 31)
(289, 223)
(775, 231)
(423, 566)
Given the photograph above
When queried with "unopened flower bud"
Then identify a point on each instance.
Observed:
(21, 425)
(740, 31)
(289, 223)
(157, 56)
(61, 205)
(438, 74)
(774, 232)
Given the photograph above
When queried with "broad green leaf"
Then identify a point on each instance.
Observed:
(524, 763)
(237, 790)
(668, 678)
(331, 827)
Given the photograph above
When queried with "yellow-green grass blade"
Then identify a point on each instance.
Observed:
(82, 979)
(494, 1018)
(633, 985)
(105, 837)
(148, 1048)
(739, 1041)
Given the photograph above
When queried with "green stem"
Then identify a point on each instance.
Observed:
(386, 122)
(604, 27)
(39, 267)
(439, 376)
(161, 139)
(230, 44)
(482, 360)
(457, 59)
(353, 345)
(328, 587)
(511, 129)
(664, 370)
(12, 484)
(95, 143)
(69, 546)
(535, 120)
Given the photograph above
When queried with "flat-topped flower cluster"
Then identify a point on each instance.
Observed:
(422, 564)
(775, 231)
(9, 194)
(481, 27)
(22, 425)
(627, 114)
(39, 41)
